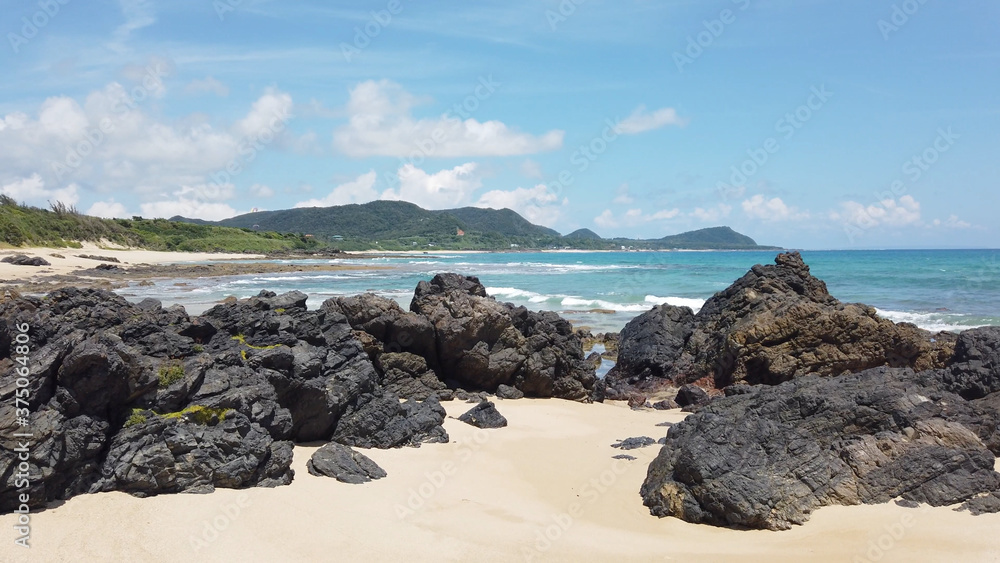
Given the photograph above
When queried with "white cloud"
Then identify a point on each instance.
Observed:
(953, 222)
(905, 211)
(380, 124)
(108, 209)
(269, 113)
(712, 214)
(32, 191)
(641, 120)
(207, 85)
(622, 195)
(635, 216)
(359, 190)
(260, 190)
(109, 141)
(774, 209)
(442, 190)
(606, 219)
(537, 204)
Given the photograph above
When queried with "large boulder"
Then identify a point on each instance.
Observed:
(776, 323)
(482, 344)
(770, 457)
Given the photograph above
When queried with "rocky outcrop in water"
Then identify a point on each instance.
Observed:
(774, 324)
(770, 455)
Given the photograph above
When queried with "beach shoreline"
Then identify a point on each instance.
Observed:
(545, 488)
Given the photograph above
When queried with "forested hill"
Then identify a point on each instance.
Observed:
(398, 225)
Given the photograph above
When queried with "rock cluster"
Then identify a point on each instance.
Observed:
(776, 323)
(768, 456)
(457, 337)
(144, 399)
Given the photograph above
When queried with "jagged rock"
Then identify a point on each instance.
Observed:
(768, 459)
(108, 268)
(508, 392)
(634, 443)
(384, 422)
(482, 344)
(775, 323)
(168, 455)
(408, 376)
(343, 464)
(24, 260)
(691, 395)
(626, 457)
(976, 363)
(484, 415)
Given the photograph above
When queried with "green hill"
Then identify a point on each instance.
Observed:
(584, 234)
(501, 221)
(712, 237)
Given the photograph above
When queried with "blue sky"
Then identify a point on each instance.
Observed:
(812, 124)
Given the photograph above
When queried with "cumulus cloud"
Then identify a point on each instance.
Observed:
(953, 222)
(380, 123)
(774, 209)
(109, 141)
(606, 219)
(537, 204)
(188, 207)
(359, 190)
(32, 190)
(108, 209)
(207, 85)
(896, 213)
(441, 190)
(641, 120)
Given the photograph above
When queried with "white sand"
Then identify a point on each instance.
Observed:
(71, 260)
(487, 496)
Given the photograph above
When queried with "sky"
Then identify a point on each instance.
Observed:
(816, 124)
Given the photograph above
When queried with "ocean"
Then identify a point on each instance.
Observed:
(934, 289)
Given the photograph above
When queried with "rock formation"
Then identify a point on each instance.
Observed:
(770, 455)
(343, 464)
(484, 415)
(776, 323)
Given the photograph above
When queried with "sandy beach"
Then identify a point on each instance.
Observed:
(543, 489)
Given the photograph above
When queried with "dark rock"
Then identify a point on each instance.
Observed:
(108, 268)
(99, 258)
(975, 369)
(770, 458)
(776, 323)
(666, 424)
(666, 404)
(508, 392)
(692, 395)
(626, 457)
(384, 422)
(484, 415)
(907, 503)
(986, 504)
(343, 464)
(24, 260)
(634, 443)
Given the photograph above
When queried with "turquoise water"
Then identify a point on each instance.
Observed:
(935, 289)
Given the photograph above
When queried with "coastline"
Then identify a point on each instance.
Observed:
(505, 489)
